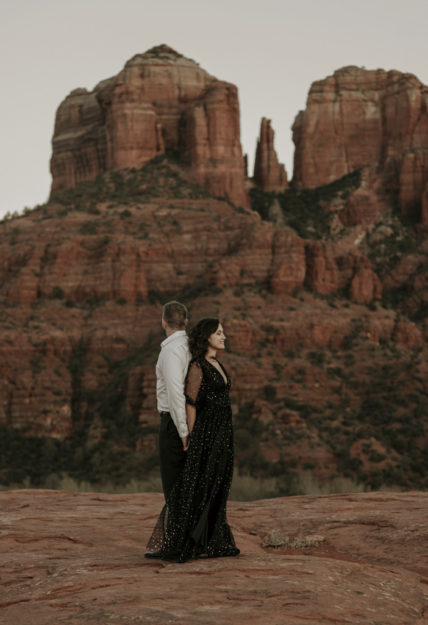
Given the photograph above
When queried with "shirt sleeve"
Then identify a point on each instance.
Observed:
(193, 383)
(174, 373)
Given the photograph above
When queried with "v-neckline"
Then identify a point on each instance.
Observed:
(224, 377)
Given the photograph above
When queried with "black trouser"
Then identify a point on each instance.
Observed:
(171, 453)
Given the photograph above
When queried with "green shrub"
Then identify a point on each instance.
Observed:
(36, 363)
(89, 227)
(269, 392)
(303, 208)
(58, 293)
(317, 358)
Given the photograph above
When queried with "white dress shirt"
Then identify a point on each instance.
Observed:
(171, 369)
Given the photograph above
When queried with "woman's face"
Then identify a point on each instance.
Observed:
(218, 338)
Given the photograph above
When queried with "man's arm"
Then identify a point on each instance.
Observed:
(174, 374)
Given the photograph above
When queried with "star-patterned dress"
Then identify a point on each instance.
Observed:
(193, 522)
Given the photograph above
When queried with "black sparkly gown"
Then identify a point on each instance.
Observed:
(193, 522)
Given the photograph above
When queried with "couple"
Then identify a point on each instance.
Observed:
(195, 441)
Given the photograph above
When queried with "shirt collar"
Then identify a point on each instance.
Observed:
(172, 337)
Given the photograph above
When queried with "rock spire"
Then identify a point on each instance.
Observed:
(269, 173)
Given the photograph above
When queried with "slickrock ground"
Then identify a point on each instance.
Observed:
(78, 559)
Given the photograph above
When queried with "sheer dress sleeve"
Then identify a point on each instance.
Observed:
(193, 383)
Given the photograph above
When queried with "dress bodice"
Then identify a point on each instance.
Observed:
(206, 385)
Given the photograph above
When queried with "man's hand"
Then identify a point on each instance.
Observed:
(185, 441)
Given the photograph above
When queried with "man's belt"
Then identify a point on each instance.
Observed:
(165, 414)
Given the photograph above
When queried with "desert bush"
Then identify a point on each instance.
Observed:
(317, 358)
(303, 208)
(58, 293)
(269, 392)
(89, 227)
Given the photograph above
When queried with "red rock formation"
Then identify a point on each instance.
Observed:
(313, 330)
(328, 271)
(62, 283)
(322, 270)
(414, 180)
(211, 142)
(406, 333)
(365, 286)
(98, 286)
(289, 267)
(362, 207)
(269, 173)
(159, 101)
(79, 143)
(358, 118)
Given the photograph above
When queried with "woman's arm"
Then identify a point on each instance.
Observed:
(192, 386)
(191, 416)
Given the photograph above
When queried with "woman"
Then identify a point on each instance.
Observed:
(193, 522)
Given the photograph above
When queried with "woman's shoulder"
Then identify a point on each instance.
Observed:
(196, 365)
(198, 362)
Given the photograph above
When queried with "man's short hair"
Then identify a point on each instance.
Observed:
(175, 314)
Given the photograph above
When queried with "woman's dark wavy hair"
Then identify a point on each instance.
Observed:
(199, 335)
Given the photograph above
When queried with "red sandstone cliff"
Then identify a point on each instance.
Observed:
(269, 173)
(159, 101)
(359, 118)
(82, 286)
(83, 277)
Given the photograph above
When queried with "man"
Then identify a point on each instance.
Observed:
(171, 369)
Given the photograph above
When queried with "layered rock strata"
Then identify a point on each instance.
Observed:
(160, 101)
(359, 118)
(97, 278)
(82, 266)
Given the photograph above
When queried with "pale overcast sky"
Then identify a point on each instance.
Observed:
(271, 49)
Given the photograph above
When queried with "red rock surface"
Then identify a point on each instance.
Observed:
(269, 173)
(159, 101)
(359, 118)
(359, 559)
